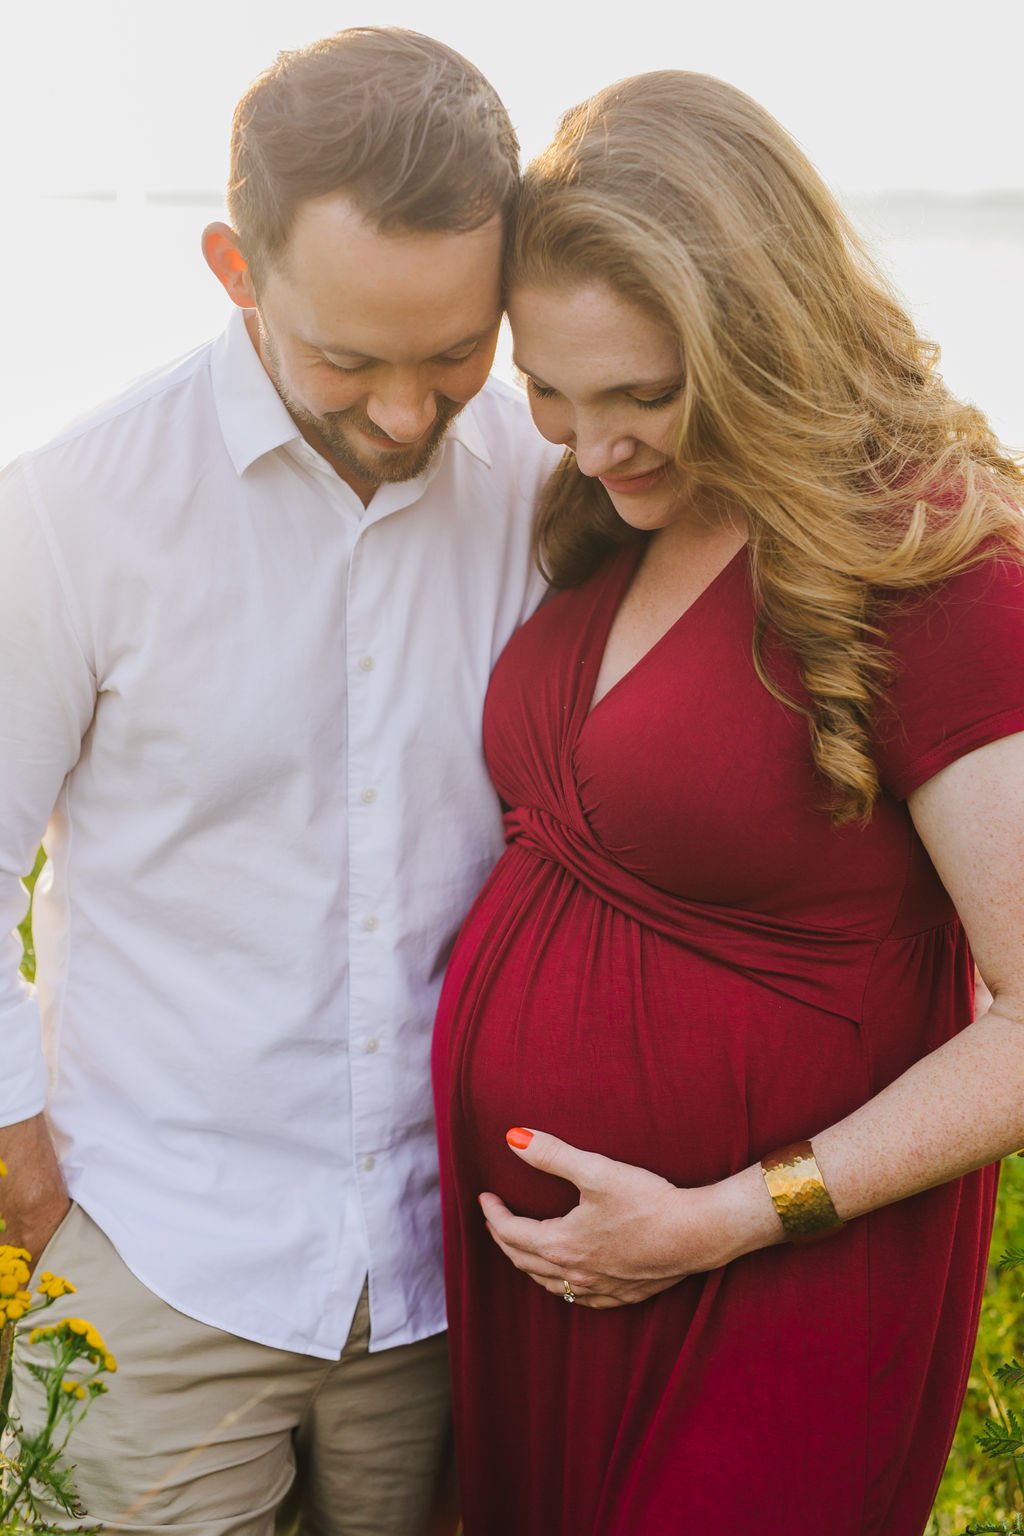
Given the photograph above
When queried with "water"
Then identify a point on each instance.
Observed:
(97, 291)
(959, 265)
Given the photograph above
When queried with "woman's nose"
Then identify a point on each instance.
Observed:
(597, 453)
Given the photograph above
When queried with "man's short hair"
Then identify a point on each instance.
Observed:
(403, 125)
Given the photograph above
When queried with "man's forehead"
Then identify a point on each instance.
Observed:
(334, 229)
(348, 288)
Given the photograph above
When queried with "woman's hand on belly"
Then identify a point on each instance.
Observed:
(633, 1233)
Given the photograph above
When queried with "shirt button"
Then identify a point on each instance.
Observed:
(370, 923)
(366, 664)
(368, 796)
(370, 1046)
(369, 1163)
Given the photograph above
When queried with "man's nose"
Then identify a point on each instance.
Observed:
(405, 412)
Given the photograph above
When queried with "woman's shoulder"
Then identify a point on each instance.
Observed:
(957, 655)
(959, 614)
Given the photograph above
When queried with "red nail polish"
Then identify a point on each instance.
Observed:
(518, 1137)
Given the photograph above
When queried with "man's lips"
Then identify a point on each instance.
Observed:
(634, 484)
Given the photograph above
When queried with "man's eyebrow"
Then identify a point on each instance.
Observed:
(329, 349)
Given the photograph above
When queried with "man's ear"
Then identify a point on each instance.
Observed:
(228, 265)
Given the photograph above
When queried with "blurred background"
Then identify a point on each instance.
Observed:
(114, 120)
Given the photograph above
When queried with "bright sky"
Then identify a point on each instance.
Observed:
(137, 95)
(883, 94)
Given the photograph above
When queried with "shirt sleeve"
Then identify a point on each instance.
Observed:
(959, 680)
(47, 698)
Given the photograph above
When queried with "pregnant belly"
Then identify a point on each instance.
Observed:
(564, 1014)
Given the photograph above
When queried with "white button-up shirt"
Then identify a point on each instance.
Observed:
(246, 710)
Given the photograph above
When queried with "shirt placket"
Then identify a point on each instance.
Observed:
(371, 822)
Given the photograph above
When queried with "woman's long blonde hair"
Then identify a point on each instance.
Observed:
(808, 397)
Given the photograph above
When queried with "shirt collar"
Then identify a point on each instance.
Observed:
(465, 429)
(254, 420)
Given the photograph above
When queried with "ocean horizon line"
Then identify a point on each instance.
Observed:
(905, 197)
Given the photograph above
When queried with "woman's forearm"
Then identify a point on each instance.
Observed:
(955, 1110)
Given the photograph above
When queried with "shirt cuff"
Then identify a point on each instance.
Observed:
(23, 1079)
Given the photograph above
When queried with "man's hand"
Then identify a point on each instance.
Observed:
(33, 1197)
(632, 1234)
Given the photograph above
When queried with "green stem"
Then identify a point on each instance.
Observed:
(6, 1353)
(42, 1441)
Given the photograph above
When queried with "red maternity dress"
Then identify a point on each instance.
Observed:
(680, 963)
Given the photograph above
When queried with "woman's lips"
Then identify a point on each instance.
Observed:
(635, 484)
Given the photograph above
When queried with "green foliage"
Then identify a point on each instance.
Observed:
(1002, 1437)
(28, 965)
(983, 1486)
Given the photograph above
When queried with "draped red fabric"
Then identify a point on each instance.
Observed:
(682, 964)
(824, 967)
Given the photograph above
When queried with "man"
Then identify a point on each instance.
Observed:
(247, 614)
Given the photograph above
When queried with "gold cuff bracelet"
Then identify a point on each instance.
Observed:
(798, 1193)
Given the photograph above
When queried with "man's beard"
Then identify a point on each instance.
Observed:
(387, 467)
(337, 431)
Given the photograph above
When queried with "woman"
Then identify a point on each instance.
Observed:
(765, 770)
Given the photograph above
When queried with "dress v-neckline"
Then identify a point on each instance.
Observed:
(618, 585)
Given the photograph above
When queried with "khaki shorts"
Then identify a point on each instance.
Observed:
(205, 1434)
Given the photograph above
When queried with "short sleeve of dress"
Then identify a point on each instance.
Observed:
(959, 679)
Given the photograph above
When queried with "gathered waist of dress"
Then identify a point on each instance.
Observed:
(826, 968)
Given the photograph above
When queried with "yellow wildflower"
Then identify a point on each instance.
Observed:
(109, 1363)
(90, 1336)
(54, 1286)
(86, 1331)
(74, 1388)
(14, 1276)
(14, 1261)
(39, 1334)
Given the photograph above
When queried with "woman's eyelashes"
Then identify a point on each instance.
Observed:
(544, 392)
(659, 401)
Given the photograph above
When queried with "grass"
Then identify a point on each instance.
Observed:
(973, 1488)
